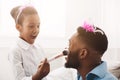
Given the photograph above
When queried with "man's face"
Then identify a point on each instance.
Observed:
(73, 61)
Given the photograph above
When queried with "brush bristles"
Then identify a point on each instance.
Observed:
(65, 52)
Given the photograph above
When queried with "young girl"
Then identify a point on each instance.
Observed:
(26, 56)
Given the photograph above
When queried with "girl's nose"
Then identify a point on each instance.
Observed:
(35, 31)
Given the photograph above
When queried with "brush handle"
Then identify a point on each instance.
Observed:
(53, 58)
(64, 53)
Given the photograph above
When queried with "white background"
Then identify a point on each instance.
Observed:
(59, 20)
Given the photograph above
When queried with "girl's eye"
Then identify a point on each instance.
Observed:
(38, 26)
(31, 26)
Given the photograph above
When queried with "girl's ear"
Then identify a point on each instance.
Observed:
(83, 53)
(18, 27)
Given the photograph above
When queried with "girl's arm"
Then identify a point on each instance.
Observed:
(42, 71)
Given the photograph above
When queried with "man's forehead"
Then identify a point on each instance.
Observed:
(73, 38)
(77, 41)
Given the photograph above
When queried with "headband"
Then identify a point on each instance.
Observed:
(21, 8)
(91, 28)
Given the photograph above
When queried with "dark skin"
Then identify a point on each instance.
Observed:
(87, 58)
(86, 66)
(43, 70)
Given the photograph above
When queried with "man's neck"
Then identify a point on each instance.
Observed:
(84, 70)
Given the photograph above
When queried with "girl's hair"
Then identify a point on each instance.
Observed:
(97, 40)
(18, 13)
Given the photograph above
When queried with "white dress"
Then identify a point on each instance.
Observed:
(25, 59)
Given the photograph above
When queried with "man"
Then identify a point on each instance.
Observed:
(86, 47)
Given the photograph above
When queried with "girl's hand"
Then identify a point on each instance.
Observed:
(43, 70)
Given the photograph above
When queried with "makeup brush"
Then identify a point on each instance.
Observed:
(64, 53)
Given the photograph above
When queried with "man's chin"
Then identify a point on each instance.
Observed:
(67, 65)
(71, 66)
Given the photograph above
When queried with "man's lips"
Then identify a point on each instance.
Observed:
(66, 58)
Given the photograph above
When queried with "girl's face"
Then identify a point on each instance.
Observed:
(30, 28)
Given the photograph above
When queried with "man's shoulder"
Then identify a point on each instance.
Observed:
(109, 76)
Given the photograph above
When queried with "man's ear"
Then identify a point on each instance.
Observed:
(18, 27)
(83, 53)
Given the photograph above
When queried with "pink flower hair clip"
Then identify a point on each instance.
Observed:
(21, 9)
(91, 28)
(88, 27)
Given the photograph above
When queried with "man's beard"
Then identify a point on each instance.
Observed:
(73, 60)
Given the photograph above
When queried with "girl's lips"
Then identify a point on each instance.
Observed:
(33, 37)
